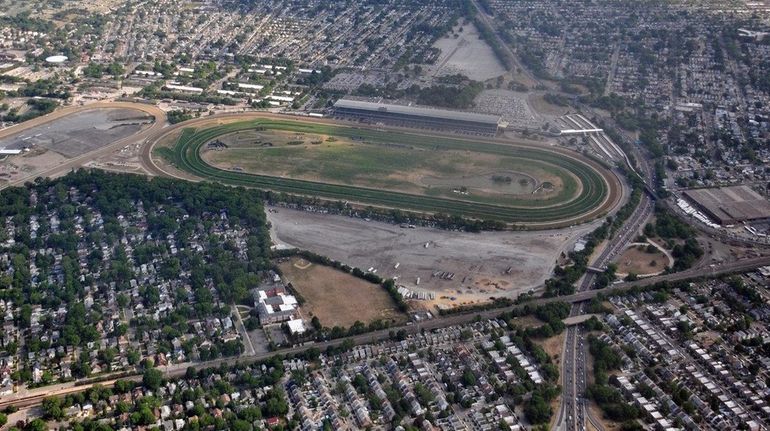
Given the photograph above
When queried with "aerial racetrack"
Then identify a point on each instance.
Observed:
(483, 179)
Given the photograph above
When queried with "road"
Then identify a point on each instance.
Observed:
(573, 413)
(573, 370)
(35, 396)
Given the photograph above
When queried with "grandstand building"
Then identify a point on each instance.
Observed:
(418, 117)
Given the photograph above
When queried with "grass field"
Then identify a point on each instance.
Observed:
(579, 188)
(453, 174)
(338, 298)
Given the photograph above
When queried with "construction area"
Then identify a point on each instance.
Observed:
(64, 136)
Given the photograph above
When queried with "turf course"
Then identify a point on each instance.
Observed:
(185, 155)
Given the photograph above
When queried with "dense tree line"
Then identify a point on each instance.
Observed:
(608, 398)
(179, 116)
(38, 107)
(153, 92)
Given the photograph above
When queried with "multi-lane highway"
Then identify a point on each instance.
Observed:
(35, 396)
(573, 414)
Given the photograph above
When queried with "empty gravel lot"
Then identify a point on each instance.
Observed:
(479, 261)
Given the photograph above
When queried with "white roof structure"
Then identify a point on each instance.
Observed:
(417, 111)
(184, 88)
(56, 59)
(250, 86)
(296, 326)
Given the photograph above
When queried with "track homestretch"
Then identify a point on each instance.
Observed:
(595, 198)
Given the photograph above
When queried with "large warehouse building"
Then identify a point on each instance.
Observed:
(730, 205)
(413, 116)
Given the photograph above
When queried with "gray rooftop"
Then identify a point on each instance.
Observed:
(418, 111)
(737, 203)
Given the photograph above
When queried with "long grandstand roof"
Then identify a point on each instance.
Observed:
(416, 111)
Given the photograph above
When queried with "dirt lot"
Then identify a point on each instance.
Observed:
(53, 143)
(540, 106)
(636, 259)
(467, 54)
(480, 262)
(22, 165)
(337, 298)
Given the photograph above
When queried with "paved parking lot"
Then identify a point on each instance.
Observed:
(80, 133)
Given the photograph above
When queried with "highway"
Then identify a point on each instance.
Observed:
(573, 413)
(35, 396)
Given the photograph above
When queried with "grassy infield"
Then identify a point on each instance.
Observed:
(186, 156)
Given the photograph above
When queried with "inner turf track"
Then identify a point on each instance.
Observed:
(594, 188)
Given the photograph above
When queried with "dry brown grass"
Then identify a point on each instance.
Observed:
(640, 262)
(338, 298)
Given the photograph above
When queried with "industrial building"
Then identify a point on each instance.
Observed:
(419, 117)
(730, 205)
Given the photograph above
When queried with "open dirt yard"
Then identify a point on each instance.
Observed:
(337, 298)
(540, 106)
(639, 260)
(463, 51)
(490, 264)
(24, 164)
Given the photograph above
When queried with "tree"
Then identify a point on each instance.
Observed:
(537, 409)
(36, 425)
(276, 404)
(469, 379)
(143, 416)
(52, 408)
(241, 425)
(152, 379)
(3, 419)
(133, 357)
